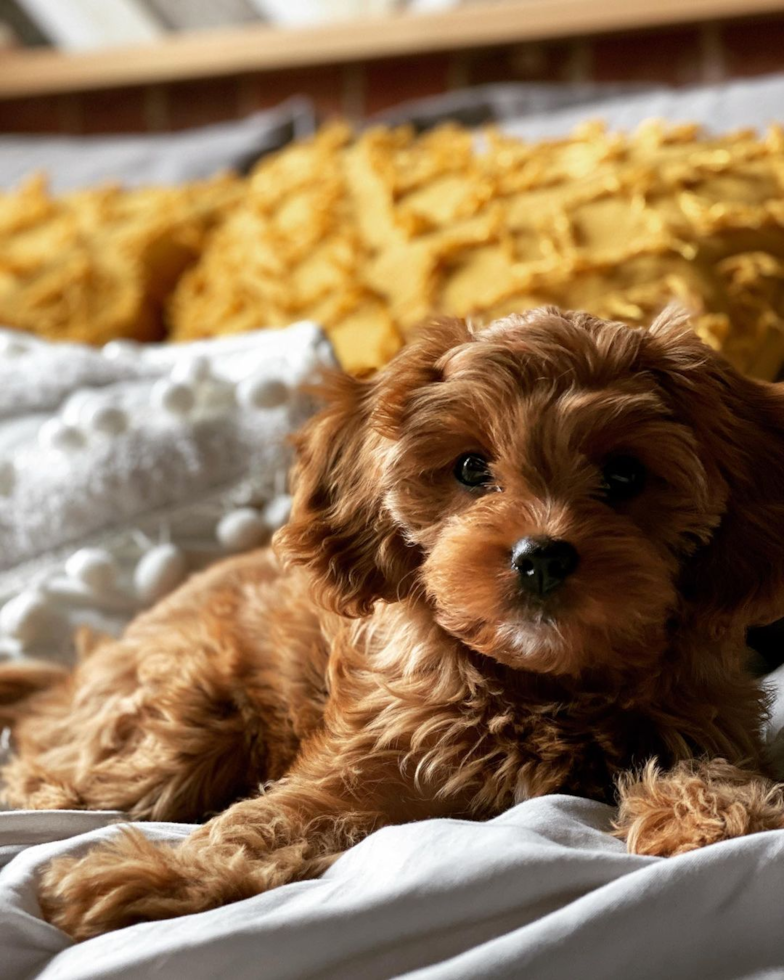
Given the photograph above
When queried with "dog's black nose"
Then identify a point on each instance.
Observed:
(543, 563)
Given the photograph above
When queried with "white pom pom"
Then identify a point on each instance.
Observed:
(28, 617)
(277, 512)
(257, 392)
(242, 529)
(7, 477)
(108, 419)
(117, 349)
(173, 396)
(159, 571)
(11, 346)
(94, 568)
(71, 412)
(192, 371)
(56, 434)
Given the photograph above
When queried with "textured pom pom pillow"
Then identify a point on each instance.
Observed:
(125, 467)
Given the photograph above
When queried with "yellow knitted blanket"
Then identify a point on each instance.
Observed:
(370, 234)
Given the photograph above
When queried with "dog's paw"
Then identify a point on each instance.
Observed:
(131, 880)
(115, 885)
(693, 805)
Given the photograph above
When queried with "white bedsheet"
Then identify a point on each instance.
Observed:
(542, 891)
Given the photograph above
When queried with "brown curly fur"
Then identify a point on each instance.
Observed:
(392, 670)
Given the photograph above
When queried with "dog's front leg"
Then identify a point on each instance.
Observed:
(696, 803)
(293, 831)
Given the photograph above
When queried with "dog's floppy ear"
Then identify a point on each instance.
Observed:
(739, 422)
(340, 528)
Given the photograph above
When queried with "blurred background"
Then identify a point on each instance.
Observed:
(102, 66)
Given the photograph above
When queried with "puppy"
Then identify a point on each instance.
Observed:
(520, 562)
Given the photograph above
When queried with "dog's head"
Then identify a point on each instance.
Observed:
(561, 490)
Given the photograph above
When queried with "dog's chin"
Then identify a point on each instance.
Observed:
(551, 645)
(562, 644)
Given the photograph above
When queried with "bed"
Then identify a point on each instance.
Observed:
(544, 890)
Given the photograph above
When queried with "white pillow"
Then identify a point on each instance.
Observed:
(176, 450)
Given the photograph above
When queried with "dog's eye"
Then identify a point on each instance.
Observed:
(472, 470)
(623, 477)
